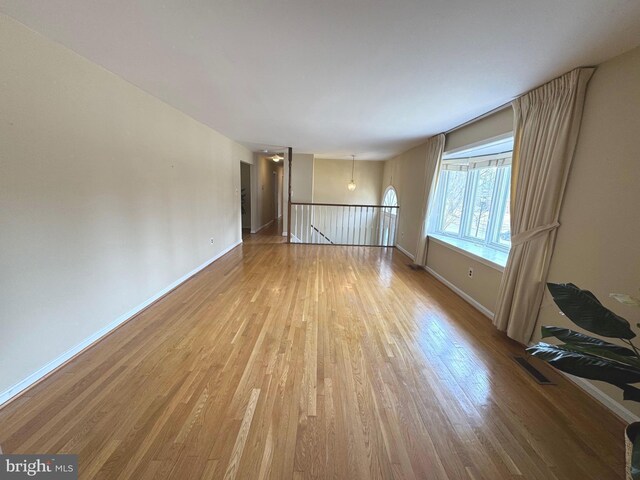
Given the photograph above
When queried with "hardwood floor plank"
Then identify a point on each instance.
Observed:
(238, 448)
(298, 361)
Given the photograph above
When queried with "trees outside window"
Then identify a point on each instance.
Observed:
(472, 201)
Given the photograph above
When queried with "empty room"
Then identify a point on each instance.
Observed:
(340, 239)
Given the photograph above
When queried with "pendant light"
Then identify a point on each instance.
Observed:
(352, 185)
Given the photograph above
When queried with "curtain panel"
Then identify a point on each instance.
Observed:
(547, 122)
(435, 148)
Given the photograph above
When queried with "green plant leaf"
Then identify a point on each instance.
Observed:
(569, 336)
(600, 352)
(590, 294)
(584, 309)
(635, 459)
(631, 393)
(585, 365)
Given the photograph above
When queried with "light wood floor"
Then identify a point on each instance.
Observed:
(303, 361)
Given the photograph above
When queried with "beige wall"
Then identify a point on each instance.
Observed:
(107, 197)
(301, 182)
(330, 179)
(266, 188)
(598, 245)
(451, 264)
(494, 125)
(406, 173)
(302, 179)
(454, 267)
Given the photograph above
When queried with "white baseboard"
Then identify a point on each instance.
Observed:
(581, 383)
(603, 398)
(87, 342)
(264, 226)
(412, 257)
(474, 303)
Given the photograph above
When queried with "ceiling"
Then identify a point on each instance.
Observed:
(336, 77)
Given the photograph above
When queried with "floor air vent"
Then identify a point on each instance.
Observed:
(533, 371)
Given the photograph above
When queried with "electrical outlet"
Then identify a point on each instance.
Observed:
(470, 273)
(211, 240)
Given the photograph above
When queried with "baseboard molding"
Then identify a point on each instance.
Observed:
(268, 224)
(585, 385)
(58, 362)
(602, 398)
(412, 257)
(474, 303)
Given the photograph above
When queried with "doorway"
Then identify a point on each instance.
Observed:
(277, 174)
(245, 197)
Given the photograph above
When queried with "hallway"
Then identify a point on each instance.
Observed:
(270, 234)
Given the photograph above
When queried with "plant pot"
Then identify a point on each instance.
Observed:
(630, 434)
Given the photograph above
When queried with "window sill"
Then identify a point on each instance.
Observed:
(488, 256)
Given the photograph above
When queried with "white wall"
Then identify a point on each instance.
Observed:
(107, 197)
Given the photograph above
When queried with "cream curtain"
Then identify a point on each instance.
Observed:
(547, 122)
(435, 147)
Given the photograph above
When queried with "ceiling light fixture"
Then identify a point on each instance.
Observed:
(276, 158)
(352, 185)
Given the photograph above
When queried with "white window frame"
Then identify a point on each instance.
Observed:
(390, 188)
(388, 224)
(499, 199)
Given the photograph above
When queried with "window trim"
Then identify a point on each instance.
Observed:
(450, 242)
(499, 198)
(390, 188)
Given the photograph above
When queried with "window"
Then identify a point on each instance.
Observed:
(390, 197)
(472, 199)
(453, 196)
(387, 224)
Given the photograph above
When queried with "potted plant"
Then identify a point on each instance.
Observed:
(593, 358)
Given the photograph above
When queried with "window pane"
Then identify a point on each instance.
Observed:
(452, 204)
(504, 236)
(482, 199)
(390, 198)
